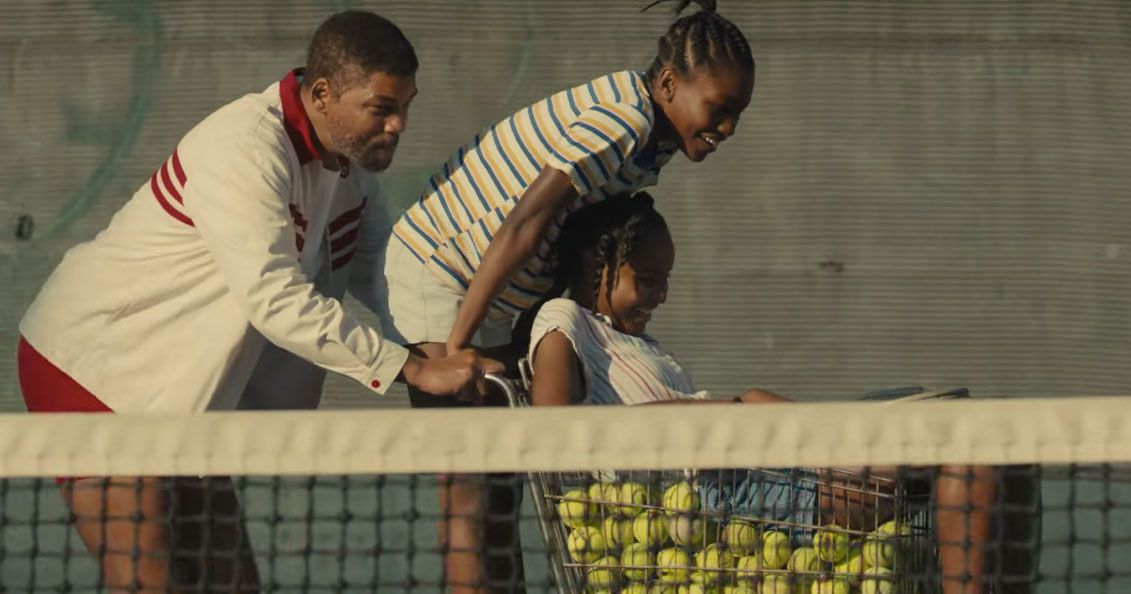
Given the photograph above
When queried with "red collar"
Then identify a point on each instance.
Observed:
(295, 120)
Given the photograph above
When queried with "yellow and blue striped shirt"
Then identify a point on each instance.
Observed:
(597, 133)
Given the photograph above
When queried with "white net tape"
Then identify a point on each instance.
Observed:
(990, 432)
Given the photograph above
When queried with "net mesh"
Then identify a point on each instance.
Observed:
(1030, 495)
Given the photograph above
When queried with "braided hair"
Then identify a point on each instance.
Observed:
(703, 39)
(612, 229)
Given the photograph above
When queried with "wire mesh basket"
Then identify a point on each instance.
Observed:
(738, 530)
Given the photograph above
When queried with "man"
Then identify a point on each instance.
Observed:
(225, 259)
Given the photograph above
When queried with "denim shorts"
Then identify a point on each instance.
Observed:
(787, 495)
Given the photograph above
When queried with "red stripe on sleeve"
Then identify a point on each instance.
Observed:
(176, 214)
(178, 170)
(169, 183)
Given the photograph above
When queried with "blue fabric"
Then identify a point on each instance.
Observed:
(785, 495)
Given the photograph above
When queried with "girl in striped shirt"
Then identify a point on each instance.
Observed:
(471, 253)
(474, 247)
(614, 259)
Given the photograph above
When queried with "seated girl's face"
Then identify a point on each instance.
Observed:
(641, 283)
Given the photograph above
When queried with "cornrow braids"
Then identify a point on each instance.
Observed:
(602, 257)
(703, 39)
(610, 229)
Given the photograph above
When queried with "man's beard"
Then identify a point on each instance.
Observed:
(359, 150)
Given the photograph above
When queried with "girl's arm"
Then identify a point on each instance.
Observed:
(557, 372)
(591, 151)
(511, 249)
(752, 397)
(757, 396)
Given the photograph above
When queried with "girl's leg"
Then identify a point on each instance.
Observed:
(478, 517)
(857, 500)
(965, 497)
(461, 504)
(461, 528)
(478, 523)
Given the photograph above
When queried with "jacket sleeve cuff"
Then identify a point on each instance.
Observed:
(388, 366)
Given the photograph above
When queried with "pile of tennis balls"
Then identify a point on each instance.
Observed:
(635, 538)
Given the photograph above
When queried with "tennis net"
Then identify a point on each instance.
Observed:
(1031, 494)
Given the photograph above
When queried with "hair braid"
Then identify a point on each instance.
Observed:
(601, 257)
(628, 237)
(704, 39)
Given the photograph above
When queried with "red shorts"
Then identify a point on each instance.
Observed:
(47, 389)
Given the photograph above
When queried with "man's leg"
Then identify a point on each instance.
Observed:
(503, 544)
(124, 522)
(209, 536)
(154, 535)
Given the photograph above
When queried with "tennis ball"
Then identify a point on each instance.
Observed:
(651, 528)
(630, 496)
(674, 566)
(694, 588)
(749, 567)
(618, 532)
(830, 586)
(740, 588)
(637, 554)
(877, 580)
(687, 531)
(680, 497)
(740, 537)
(604, 493)
(775, 584)
(853, 564)
(585, 544)
(878, 551)
(831, 543)
(605, 573)
(709, 562)
(802, 585)
(804, 560)
(576, 510)
(894, 528)
(775, 550)
(659, 588)
(634, 588)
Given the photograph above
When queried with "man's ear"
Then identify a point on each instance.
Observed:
(320, 94)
